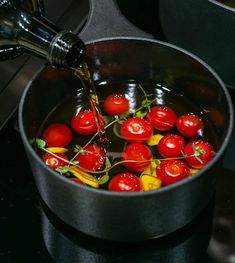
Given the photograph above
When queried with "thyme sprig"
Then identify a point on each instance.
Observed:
(108, 166)
(143, 110)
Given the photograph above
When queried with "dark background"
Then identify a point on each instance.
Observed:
(29, 232)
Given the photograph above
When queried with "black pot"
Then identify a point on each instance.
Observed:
(114, 215)
(204, 27)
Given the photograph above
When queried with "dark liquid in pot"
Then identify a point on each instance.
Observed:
(64, 112)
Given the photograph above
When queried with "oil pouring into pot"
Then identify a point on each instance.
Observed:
(161, 75)
(24, 29)
(64, 49)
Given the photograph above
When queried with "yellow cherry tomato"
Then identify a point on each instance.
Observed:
(84, 177)
(150, 182)
(57, 149)
(154, 139)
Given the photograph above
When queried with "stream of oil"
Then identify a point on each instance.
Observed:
(83, 73)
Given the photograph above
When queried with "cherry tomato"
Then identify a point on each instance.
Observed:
(93, 157)
(57, 135)
(171, 145)
(190, 125)
(125, 182)
(116, 104)
(54, 162)
(163, 118)
(172, 171)
(139, 153)
(136, 130)
(198, 153)
(84, 123)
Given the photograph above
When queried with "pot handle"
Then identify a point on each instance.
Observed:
(106, 20)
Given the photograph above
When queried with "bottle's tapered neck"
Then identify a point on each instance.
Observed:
(66, 50)
(40, 37)
(60, 48)
(35, 35)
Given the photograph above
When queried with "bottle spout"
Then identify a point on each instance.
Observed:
(66, 50)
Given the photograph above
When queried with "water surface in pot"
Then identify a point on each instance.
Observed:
(138, 94)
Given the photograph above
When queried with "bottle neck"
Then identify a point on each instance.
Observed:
(35, 34)
(66, 50)
(60, 48)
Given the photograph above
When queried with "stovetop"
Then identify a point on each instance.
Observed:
(30, 232)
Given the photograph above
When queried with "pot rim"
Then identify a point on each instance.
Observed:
(222, 6)
(141, 193)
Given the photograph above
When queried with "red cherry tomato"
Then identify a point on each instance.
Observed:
(139, 153)
(93, 158)
(171, 145)
(125, 182)
(84, 123)
(190, 125)
(116, 104)
(198, 153)
(172, 171)
(53, 161)
(163, 118)
(57, 135)
(136, 130)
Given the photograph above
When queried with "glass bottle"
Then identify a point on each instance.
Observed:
(23, 28)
